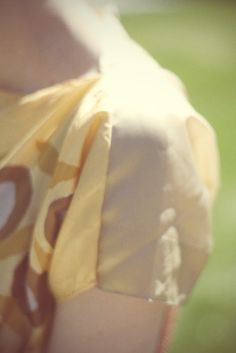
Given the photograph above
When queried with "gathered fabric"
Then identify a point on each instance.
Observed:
(106, 181)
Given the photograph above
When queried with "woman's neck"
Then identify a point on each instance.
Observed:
(38, 48)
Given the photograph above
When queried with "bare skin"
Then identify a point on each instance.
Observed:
(38, 49)
(104, 322)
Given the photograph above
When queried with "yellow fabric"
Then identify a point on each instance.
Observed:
(45, 143)
(105, 181)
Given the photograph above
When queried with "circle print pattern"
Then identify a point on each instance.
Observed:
(15, 196)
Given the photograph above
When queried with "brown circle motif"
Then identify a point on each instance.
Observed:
(20, 177)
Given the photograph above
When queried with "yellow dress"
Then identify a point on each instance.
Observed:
(105, 181)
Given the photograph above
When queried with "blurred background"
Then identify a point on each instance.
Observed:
(197, 40)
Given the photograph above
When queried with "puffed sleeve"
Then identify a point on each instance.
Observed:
(155, 235)
(139, 220)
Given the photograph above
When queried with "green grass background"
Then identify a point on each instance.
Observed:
(198, 42)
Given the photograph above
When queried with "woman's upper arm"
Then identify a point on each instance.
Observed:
(102, 322)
